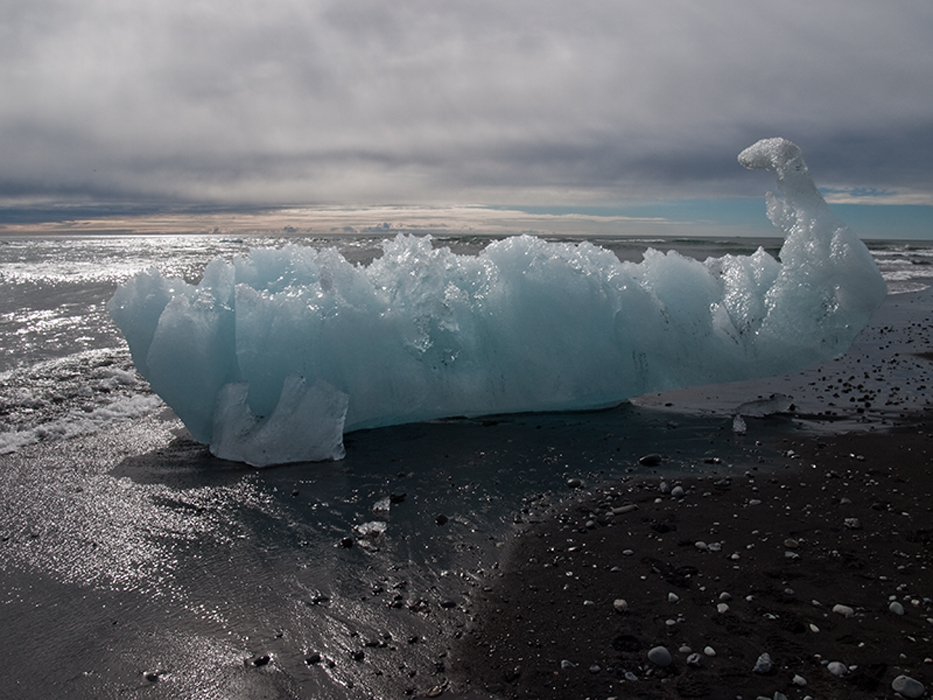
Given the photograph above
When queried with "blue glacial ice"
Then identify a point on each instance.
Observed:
(272, 357)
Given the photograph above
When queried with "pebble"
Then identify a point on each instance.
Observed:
(908, 687)
(837, 668)
(843, 610)
(754, 502)
(651, 460)
(565, 664)
(664, 487)
(693, 659)
(852, 523)
(702, 546)
(575, 483)
(672, 597)
(725, 596)
(678, 492)
(709, 651)
(896, 608)
(620, 604)
(763, 664)
(722, 607)
(799, 680)
(660, 656)
(622, 510)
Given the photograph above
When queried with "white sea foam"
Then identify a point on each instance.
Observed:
(80, 424)
(272, 356)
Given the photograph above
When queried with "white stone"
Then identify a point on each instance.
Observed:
(837, 668)
(908, 687)
(843, 610)
(620, 604)
(896, 608)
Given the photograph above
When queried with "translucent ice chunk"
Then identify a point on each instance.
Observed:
(272, 356)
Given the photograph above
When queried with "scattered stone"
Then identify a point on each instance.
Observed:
(575, 483)
(852, 523)
(678, 492)
(565, 664)
(620, 604)
(799, 680)
(754, 502)
(725, 596)
(763, 664)
(702, 546)
(709, 651)
(664, 487)
(672, 597)
(693, 659)
(843, 610)
(722, 608)
(622, 510)
(791, 543)
(837, 668)
(660, 656)
(594, 669)
(908, 687)
(651, 460)
(896, 608)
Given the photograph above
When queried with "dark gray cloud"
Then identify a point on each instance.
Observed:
(284, 101)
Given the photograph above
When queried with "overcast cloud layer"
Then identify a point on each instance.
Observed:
(267, 102)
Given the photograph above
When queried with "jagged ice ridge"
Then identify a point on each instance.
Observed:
(272, 357)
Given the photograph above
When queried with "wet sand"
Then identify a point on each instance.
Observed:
(743, 564)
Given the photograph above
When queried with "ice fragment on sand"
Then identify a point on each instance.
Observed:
(271, 357)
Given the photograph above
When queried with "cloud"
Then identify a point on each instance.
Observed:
(304, 101)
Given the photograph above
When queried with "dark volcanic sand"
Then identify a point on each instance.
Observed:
(788, 556)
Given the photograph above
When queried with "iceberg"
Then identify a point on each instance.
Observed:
(274, 355)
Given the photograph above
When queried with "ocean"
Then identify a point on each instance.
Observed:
(135, 563)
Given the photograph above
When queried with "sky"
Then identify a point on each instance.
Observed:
(156, 106)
